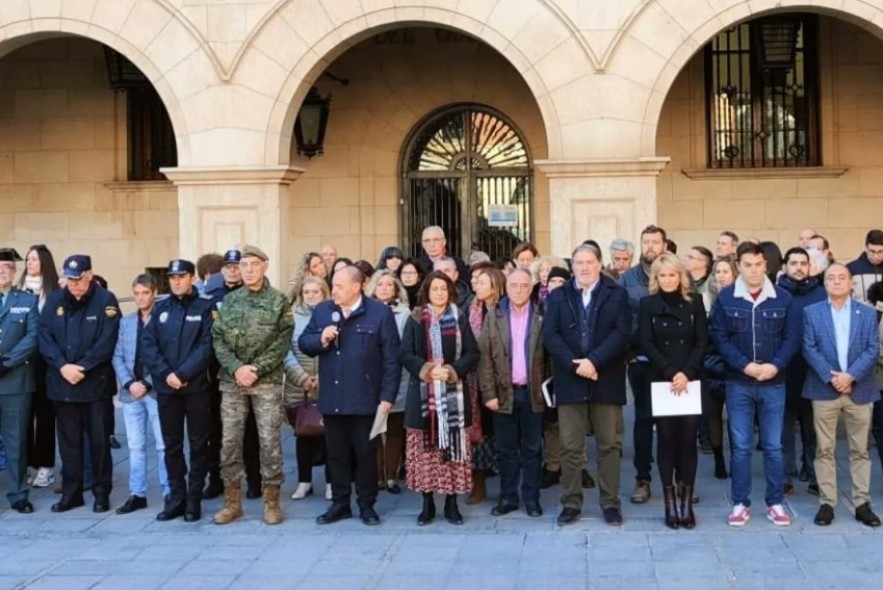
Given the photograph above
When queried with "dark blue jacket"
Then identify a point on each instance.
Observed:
(803, 294)
(363, 368)
(82, 333)
(609, 327)
(820, 351)
(178, 339)
(745, 331)
(217, 289)
(19, 326)
(636, 283)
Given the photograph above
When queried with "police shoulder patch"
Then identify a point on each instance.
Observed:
(111, 311)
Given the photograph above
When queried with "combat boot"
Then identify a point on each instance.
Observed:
(272, 510)
(232, 503)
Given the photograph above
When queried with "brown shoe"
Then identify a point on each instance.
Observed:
(479, 488)
(641, 493)
(272, 510)
(232, 503)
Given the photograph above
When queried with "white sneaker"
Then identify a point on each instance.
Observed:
(32, 473)
(328, 495)
(44, 478)
(303, 490)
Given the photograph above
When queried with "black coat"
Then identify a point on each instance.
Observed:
(82, 333)
(178, 339)
(611, 333)
(673, 333)
(414, 359)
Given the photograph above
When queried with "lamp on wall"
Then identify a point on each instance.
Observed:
(123, 74)
(776, 39)
(311, 123)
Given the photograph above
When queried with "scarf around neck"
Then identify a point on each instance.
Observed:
(442, 403)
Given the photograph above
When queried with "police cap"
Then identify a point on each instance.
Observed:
(9, 255)
(232, 257)
(254, 251)
(180, 266)
(75, 265)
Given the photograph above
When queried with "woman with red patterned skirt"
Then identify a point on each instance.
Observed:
(438, 350)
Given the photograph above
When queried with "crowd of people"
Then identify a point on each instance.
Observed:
(433, 374)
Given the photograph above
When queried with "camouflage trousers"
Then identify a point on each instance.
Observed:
(265, 402)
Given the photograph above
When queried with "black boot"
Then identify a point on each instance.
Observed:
(254, 489)
(193, 510)
(672, 520)
(452, 511)
(688, 519)
(427, 515)
(215, 486)
(720, 467)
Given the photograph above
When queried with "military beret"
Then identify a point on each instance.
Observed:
(9, 255)
(254, 251)
(75, 265)
(180, 266)
(232, 257)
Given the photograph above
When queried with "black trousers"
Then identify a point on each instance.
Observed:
(307, 448)
(174, 411)
(74, 420)
(251, 450)
(346, 438)
(41, 426)
(639, 379)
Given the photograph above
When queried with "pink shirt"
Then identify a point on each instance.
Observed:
(518, 321)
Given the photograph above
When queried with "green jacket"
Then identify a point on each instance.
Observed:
(253, 328)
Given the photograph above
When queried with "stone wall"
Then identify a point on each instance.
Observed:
(350, 195)
(62, 160)
(775, 208)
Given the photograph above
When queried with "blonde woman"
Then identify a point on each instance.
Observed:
(674, 335)
(302, 383)
(385, 287)
(310, 265)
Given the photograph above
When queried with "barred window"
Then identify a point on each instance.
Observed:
(762, 92)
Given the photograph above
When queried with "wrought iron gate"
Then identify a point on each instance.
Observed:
(460, 162)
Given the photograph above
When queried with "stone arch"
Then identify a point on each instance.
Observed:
(505, 26)
(690, 30)
(155, 49)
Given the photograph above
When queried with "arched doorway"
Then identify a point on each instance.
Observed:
(467, 169)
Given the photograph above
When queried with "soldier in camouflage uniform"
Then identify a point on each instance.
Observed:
(252, 335)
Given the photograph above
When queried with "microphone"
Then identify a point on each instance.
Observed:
(335, 319)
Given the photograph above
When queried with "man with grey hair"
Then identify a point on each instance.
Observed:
(449, 266)
(586, 331)
(435, 246)
(622, 252)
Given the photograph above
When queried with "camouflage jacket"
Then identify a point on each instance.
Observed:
(253, 328)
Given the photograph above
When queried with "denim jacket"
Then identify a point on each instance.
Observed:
(767, 330)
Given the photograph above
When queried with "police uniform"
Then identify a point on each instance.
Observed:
(252, 328)
(178, 340)
(19, 326)
(217, 288)
(81, 332)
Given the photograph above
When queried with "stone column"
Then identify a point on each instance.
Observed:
(220, 207)
(600, 199)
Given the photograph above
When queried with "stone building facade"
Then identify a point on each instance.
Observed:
(605, 102)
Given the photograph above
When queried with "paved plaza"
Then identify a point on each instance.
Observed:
(80, 550)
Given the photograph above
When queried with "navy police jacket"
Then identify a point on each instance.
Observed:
(363, 367)
(82, 333)
(178, 339)
(19, 325)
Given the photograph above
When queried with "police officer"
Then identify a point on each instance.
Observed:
(218, 286)
(177, 350)
(78, 332)
(252, 335)
(19, 325)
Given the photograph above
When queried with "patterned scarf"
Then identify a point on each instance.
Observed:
(441, 403)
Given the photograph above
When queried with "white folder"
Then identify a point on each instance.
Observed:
(666, 403)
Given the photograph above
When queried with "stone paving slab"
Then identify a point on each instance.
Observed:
(82, 550)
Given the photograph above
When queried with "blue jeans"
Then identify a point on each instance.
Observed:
(139, 416)
(769, 403)
(519, 449)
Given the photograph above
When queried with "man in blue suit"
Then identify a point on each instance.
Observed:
(840, 345)
(19, 324)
